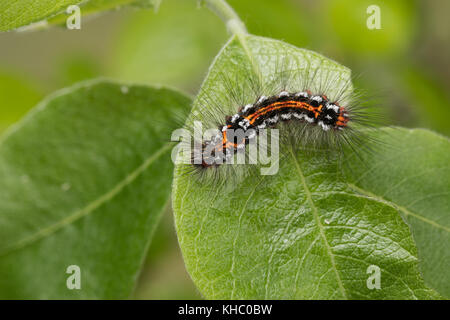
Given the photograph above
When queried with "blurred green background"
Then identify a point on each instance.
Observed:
(406, 65)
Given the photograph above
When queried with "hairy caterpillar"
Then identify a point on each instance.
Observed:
(310, 104)
(267, 112)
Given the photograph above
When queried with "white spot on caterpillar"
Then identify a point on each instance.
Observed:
(310, 120)
(247, 107)
(283, 94)
(261, 99)
(272, 120)
(333, 107)
(224, 128)
(262, 126)
(324, 126)
(244, 124)
(317, 98)
(252, 134)
(234, 118)
(302, 94)
(286, 116)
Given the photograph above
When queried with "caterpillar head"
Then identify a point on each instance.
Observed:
(335, 116)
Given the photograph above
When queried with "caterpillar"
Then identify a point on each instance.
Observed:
(311, 105)
(267, 112)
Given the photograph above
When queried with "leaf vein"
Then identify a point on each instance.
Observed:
(89, 208)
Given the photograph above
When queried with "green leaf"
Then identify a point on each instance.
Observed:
(414, 178)
(19, 13)
(302, 233)
(83, 179)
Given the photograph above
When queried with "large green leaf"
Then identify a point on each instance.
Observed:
(83, 179)
(19, 13)
(302, 233)
(413, 177)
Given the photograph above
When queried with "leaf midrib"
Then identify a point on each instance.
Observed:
(89, 208)
(319, 224)
(405, 210)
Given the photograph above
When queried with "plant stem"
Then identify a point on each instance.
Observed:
(222, 9)
(236, 27)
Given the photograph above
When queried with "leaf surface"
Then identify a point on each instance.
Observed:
(303, 233)
(20, 13)
(413, 177)
(83, 179)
